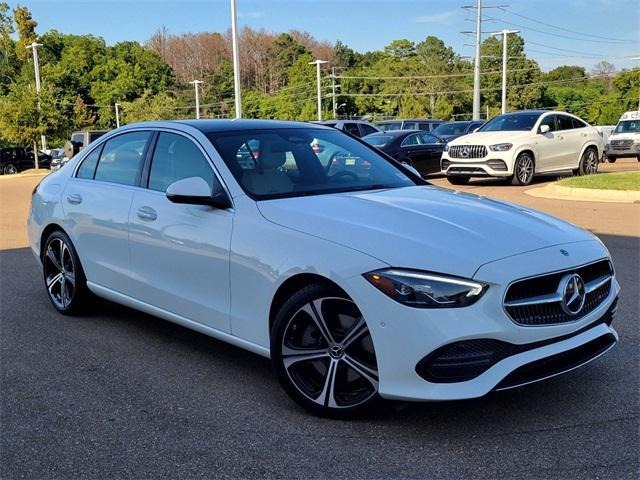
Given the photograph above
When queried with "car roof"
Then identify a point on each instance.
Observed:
(213, 126)
(411, 120)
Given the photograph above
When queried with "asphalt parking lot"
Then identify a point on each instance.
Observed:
(120, 394)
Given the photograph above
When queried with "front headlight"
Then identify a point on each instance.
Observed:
(501, 147)
(426, 290)
(446, 147)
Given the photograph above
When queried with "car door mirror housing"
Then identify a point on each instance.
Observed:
(544, 129)
(412, 169)
(196, 191)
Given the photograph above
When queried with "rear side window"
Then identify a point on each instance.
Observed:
(352, 128)
(174, 158)
(428, 139)
(577, 123)
(411, 140)
(93, 136)
(367, 129)
(565, 123)
(88, 166)
(410, 126)
(121, 159)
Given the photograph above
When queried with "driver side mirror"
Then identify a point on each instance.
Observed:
(476, 129)
(544, 129)
(196, 191)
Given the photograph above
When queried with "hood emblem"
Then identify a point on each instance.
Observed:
(573, 293)
(564, 252)
(465, 152)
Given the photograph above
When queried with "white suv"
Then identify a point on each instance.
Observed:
(625, 139)
(523, 144)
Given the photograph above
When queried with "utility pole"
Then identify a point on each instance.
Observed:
(117, 105)
(637, 59)
(476, 64)
(317, 63)
(333, 91)
(36, 67)
(505, 34)
(236, 59)
(196, 86)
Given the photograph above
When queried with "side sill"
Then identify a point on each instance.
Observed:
(122, 299)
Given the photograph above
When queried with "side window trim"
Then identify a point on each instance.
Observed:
(86, 155)
(150, 149)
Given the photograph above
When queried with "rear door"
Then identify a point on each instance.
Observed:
(96, 201)
(180, 252)
(571, 142)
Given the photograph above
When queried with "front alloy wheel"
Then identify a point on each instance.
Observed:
(323, 353)
(10, 169)
(523, 170)
(588, 162)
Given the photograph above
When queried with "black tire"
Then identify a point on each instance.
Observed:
(66, 287)
(9, 169)
(326, 384)
(612, 159)
(523, 170)
(588, 162)
(457, 180)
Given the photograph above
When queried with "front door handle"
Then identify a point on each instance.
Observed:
(147, 213)
(74, 198)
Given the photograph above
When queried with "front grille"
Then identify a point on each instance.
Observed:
(538, 301)
(621, 143)
(468, 151)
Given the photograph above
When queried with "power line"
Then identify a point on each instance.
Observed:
(424, 77)
(564, 29)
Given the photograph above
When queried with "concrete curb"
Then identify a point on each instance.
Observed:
(584, 194)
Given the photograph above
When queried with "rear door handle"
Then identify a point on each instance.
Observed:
(74, 198)
(147, 213)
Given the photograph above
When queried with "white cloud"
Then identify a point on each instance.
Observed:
(442, 17)
(254, 14)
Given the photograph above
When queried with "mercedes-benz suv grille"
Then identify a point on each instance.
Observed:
(467, 151)
(559, 297)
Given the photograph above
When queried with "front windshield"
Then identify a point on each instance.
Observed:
(377, 140)
(450, 128)
(290, 162)
(628, 126)
(511, 122)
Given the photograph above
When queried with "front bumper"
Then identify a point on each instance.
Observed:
(403, 336)
(632, 150)
(495, 164)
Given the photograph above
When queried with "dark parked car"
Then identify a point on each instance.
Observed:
(18, 159)
(357, 128)
(425, 124)
(452, 130)
(421, 150)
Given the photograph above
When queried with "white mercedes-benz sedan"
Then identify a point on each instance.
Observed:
(300, 243)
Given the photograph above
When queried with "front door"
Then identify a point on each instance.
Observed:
(549, 146)
(179, 252)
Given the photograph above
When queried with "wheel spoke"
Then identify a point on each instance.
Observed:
(314, 310)
(51, 256)
(369, 374)
(358, 328)
(326, 396)
(291, 356)
(63, 293)
(63, 249)
(52, 281)
(71, 278)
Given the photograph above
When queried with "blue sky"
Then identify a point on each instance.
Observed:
(371, 24)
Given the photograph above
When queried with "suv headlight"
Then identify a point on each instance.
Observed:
(501, 147)
(426, 290)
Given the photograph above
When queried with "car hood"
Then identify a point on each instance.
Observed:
(489, 138)
(423, 227)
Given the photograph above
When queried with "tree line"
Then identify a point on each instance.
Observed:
(83, 77)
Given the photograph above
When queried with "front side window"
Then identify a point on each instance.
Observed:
(121, 159)
(378, 140)
(391, 126)
(302, 161)
(367, 129)
(511, 122)
(412, 140)
(549, 120)
(176, 157)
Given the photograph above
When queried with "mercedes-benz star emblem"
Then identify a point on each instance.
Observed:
(573, 293)
(465, 152)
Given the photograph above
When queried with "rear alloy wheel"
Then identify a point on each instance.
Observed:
(458, 180)
(9, 169)
(63, 275)
(323, 354)
(588, 162)
(523, 170)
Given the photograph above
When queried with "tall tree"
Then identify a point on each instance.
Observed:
(26, 27)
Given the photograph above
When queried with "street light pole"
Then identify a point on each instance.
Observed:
(333, 91)
(505, 34)
(236, 60)
(317, 63)
(36, 67)
(637, 59)
(117, 105)
(476, 65)
(196, 85)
